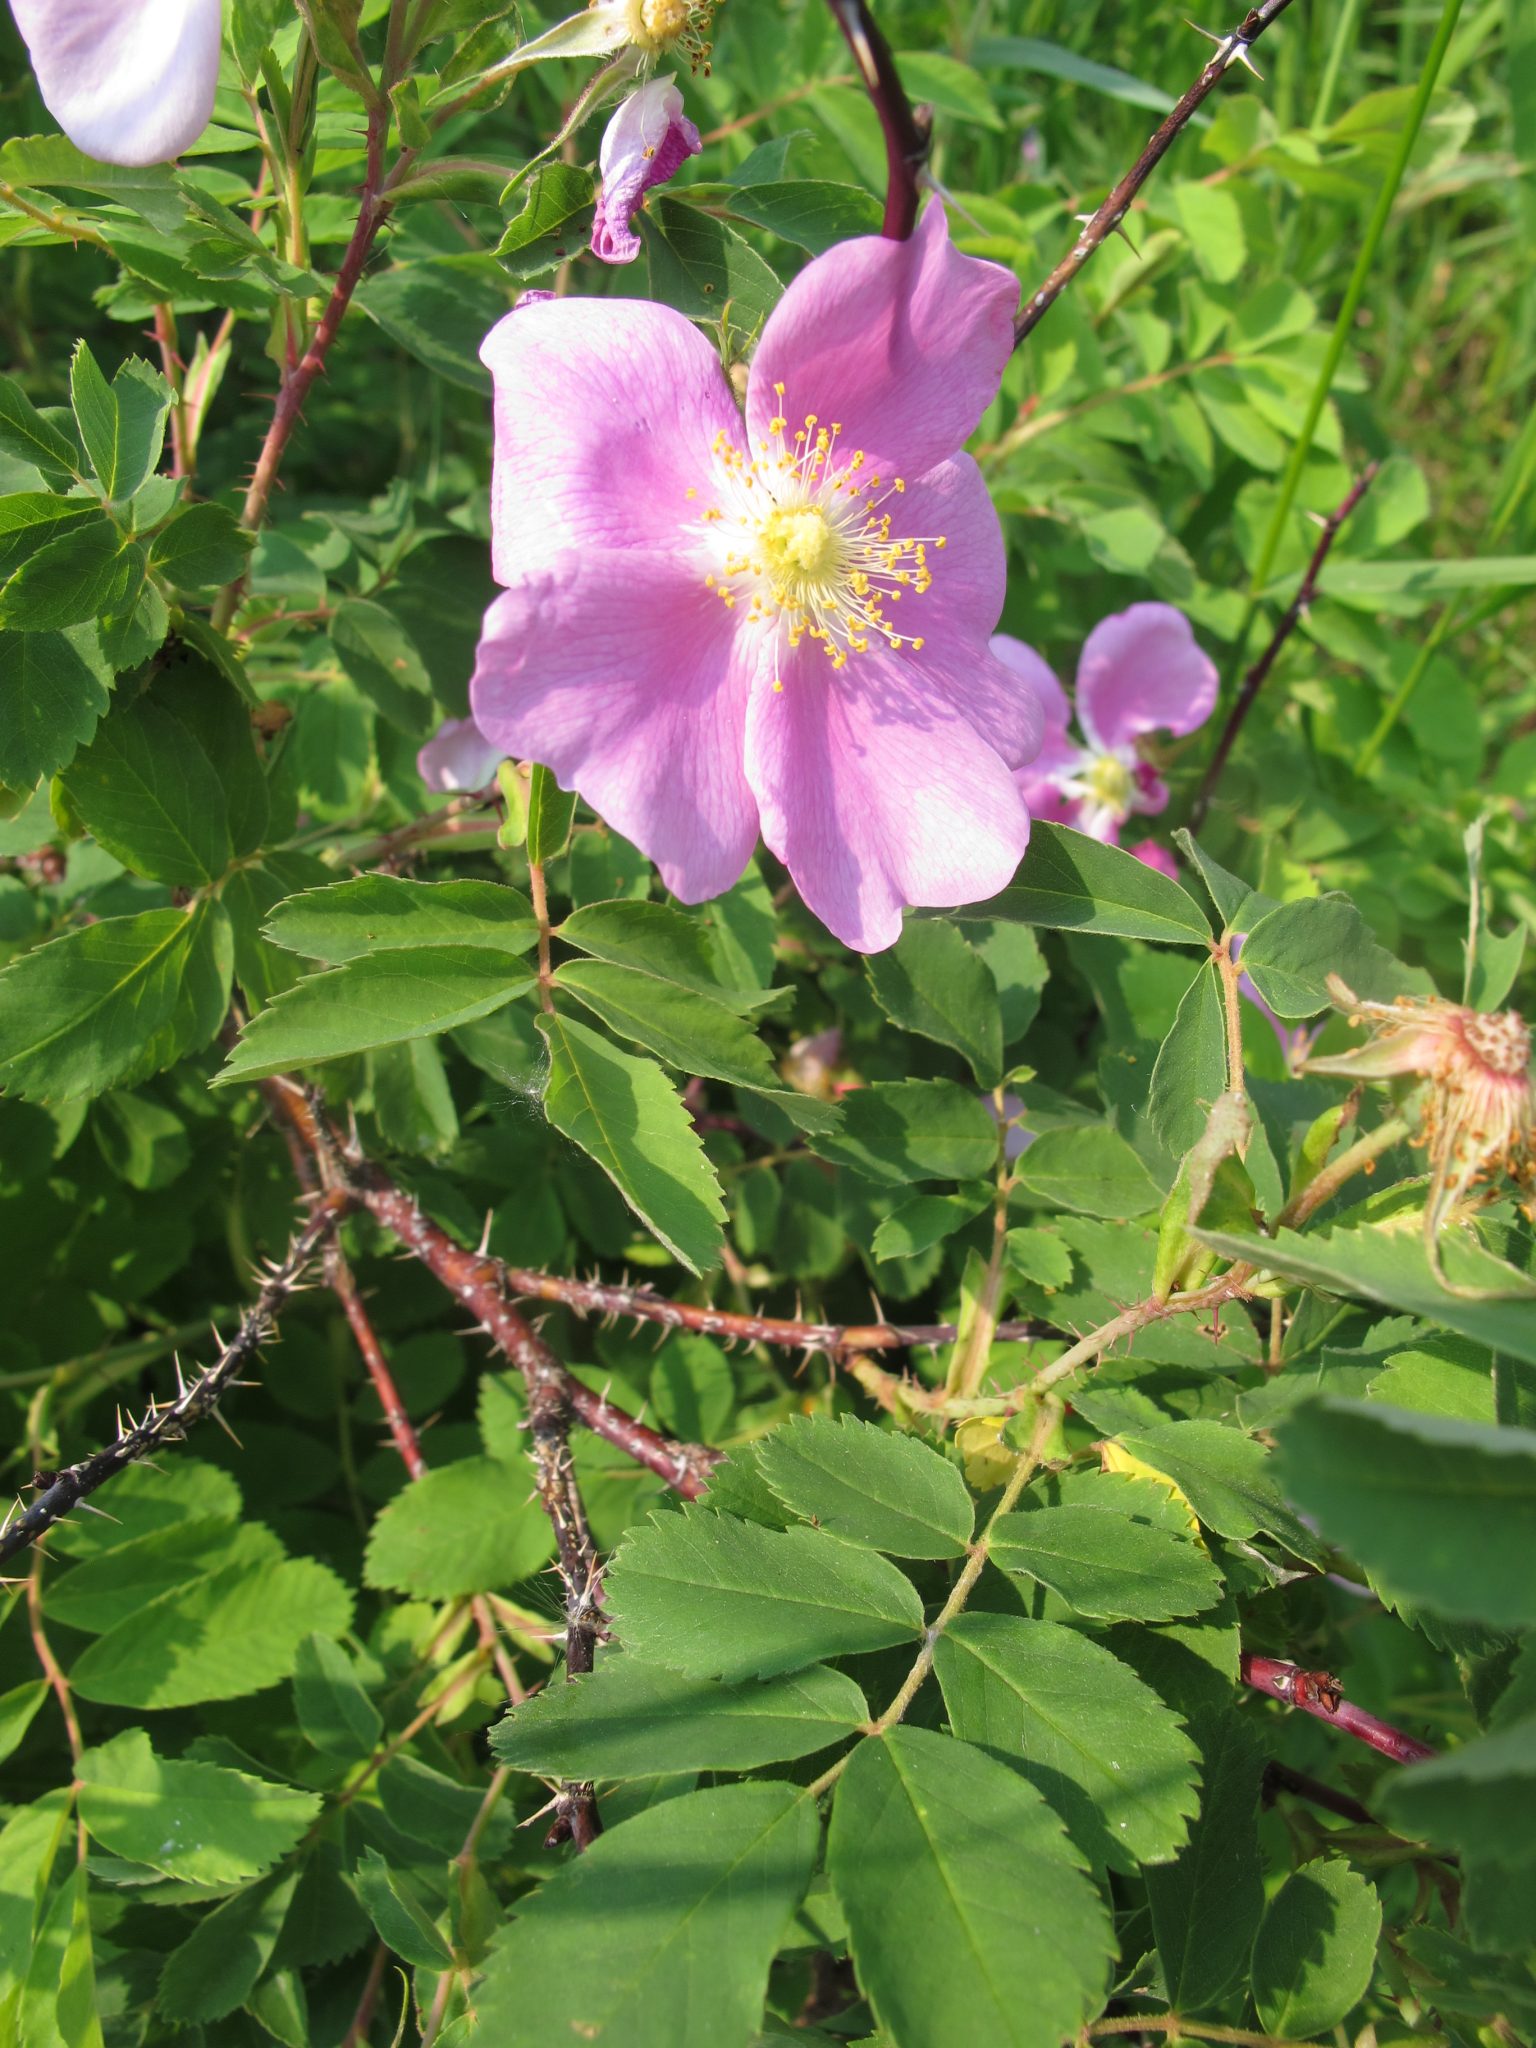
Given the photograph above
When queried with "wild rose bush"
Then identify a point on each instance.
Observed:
(767, 1144)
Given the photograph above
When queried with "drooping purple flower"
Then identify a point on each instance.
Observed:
(458, 756)
(713, 625)
(643, 145)
(129, 81)
(1140, 671)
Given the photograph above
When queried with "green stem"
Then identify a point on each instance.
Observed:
(1343, 39)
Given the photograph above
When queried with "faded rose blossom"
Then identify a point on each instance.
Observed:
(648, 139)
(1477, 1112)
(637, 33)
(129, 81)
(1140, 671)
(713, 626)
(458, 756)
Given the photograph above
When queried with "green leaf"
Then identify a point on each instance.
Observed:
(95, 1594)
(1055, 60)
(401, 1920)
(1426, 579)
(468, 1527)
(927, 1220)
(216, 1967)
(336, 1715)
(1290, 953)
(388, 913)
(1238, 907)
(895, 1132)
(970, 1917)
(814, 212)
(629, 1719)
(1228, 1478)
(626, 1115)
(52, 162)
(704, 268)
(936, 984)
(122, 424)
(439, 309)
(1191, 1067)
(551, 224)
(228, 1634)
(1315, 1951)
(1206, 1906)
(949, 86)
(1481, 1798)
(693, 1897)
(1038, 1256)
(717, 1598)
(1091, 1169)
(148, 791)
(53, 689)
(379, 999)
(1070, 882)
(201, 548)
(680, 1025)
(216, 718)
(27, 436)
(1081, 1726)
(18, 1710)
(869, 1486)
(109, 1005)
(69, 580)
(660, 940)
(550, 812)
(1415, 1498)
(1107, 1566)
(198, 1822)
(382, 659)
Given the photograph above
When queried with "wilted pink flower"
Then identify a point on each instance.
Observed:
(645, 142)
(713, 625)
(458, 756)
(129, 81)
(1140, 671)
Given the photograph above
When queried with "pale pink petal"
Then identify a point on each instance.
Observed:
(876, 792)
(645, 143)
(1043, 797)
(1142, 671)
(1023, 660)
(1151, 792)
(129, 81)
(1151, 855)
(606, 411)
(628, 679)
(458, 756)
(901, 344)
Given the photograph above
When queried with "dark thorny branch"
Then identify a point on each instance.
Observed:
(168, 1421)
(906, 133)
(1230, 49)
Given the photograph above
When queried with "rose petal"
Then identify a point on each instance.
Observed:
(129, 81)
(902, 344)
(1043, 797)
(606, 411)
(644, 144)
(1023, 660)
(629, 680)
(876, 792)
(458, 756)
(1151, 855)
(1142, 671)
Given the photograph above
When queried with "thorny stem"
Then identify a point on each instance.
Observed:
(973, 1352)
(51, 1668)
(1279, 1777)
(171, 367)
(1290, 618)
(1315, 1693)
(1231, 49)
(906, 134)
(452, 817)
(1024, 1470)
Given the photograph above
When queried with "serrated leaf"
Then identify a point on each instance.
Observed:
(389, 913)
(402, 1923)
(814, 212)
(468, 1527)
(630, 1719)
(970, 1917)
(1290, 953)
(1229, 1479)
(382, 659)
(717, 1598)
(82, 573)
(201, 548)
(869, 1486)
(1191, 1066)
(94, 1595)
(1415, 1499)
(113, 1003)
(682, 1026)
(895, 1132)
(228, 1634)
(334, 1712)
(927, 1220)
(1081, 1726)
(1091, 1169)
(194, 1821)
(626, 1115)
(147, 790)
(693, 1897)
(936, 984)
(216, 1967)
(1481, 1798)
(122, 424)
(378, 999)
(30, 438)
(704, 268)
(551, 223)
(1069, 882)
(1206, 1905)
(1316, 1950)
(661, 940)
(1107, 1566)
(54, 687)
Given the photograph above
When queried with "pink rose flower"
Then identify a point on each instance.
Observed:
(458, 756)
(647, 140)
(1140, 671)
(712, 626)
(129, 81)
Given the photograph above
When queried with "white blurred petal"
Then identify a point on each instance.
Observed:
(129, 81)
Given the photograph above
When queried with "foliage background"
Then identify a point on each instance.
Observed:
(290, 1611)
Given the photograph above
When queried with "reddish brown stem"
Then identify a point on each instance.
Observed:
(1290, 618)
(171, 365)
(1279, 1777)
(343, 1285)
(1316, 1693)
(1230, 50)
(906, 133)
